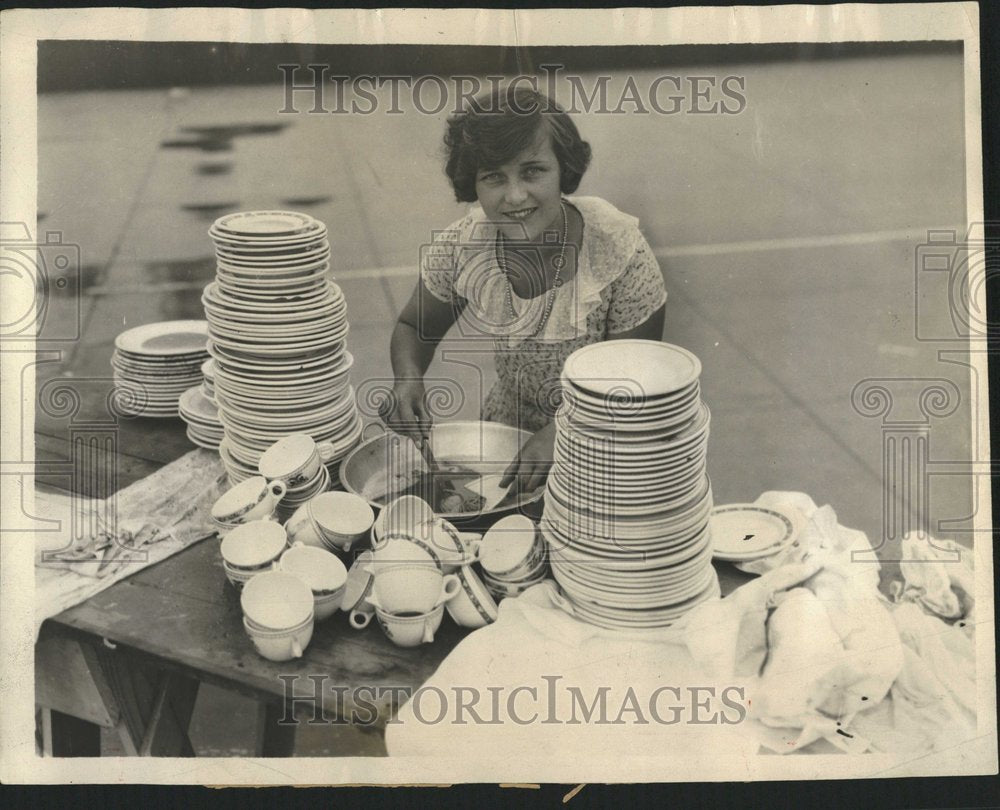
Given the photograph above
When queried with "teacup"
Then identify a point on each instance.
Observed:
(402, 514)
(473, 606)
(295, 459)
(512, 548)
(277, 600)
(505, 590)
(412, 588)
(283, 645)
(405, 549)
(252, 546)
(453, 547)
(334, 520)
(357, 590)
(322, 571)
(252, 499)
(409, 629)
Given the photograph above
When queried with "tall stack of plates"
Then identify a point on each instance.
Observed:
(628, 501)
(278, 328)
(154, 364)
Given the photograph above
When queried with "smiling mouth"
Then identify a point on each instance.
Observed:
(521, 213)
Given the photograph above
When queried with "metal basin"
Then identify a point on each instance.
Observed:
(479, 447)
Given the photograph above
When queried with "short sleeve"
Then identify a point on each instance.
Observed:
(437, 264)
(638, 292)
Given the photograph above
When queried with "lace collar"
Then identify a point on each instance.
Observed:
(610, 238)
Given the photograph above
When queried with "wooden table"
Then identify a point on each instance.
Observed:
(133, 656)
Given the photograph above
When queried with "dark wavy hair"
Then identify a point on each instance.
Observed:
(496, 127)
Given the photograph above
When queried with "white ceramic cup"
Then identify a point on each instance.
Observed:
(410, 630)
(415, 589)
(452, 548)
(295, 459)
(280, 646)
(404, 549)
(322, 571)
(252, 499)
(512, 548)
(277, 600)
(473, 606)
(253, 546)
(402, 514)
(341, 518)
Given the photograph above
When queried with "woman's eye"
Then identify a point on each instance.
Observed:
(534, 171)
(492, 177)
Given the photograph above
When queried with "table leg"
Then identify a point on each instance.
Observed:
(274, 739)
(66, 736)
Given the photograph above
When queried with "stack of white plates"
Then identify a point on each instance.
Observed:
(202, 416)
(156, 363)
(278, 328)
(628, 501)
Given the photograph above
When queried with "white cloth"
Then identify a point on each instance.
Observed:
(881, 673)
(172, 505)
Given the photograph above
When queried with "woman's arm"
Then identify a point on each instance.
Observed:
(650, 329)
(424, 321)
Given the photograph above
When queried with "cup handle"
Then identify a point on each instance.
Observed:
(296, 648)
(450, 586)
(277, 489)
(326, 451)
(472, 549)
(359, 620)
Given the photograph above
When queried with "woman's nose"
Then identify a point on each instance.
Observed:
(516, 193)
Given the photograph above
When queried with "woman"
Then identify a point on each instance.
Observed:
(540, 273)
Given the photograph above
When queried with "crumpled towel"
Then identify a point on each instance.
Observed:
(166, 512)
(882, 673)
(938, 574)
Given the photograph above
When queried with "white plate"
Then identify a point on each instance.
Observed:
(265, 223)
(194, 402)
(744, 531)
(164, 339)
(643, 368)
(235, 359)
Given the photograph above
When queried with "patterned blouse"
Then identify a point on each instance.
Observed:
(618, 286)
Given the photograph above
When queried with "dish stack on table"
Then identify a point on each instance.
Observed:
(628, 500)
(199, 409)
(277, 327)
(156, 363)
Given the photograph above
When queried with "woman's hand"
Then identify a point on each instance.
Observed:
(530, 467)
(405, 411)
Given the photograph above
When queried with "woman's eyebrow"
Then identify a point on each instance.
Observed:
(533, 162)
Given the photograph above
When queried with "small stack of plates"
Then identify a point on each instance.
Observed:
(156, 363)
(742, 532)
(278, 328)
(628, 500)
(202, 416)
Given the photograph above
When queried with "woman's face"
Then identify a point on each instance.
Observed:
(522, 197)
